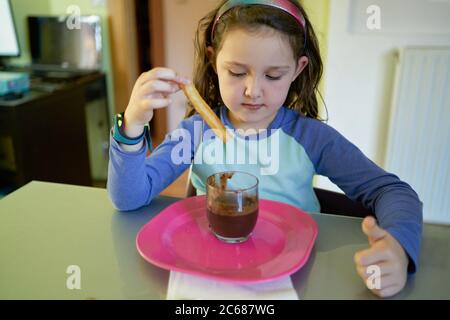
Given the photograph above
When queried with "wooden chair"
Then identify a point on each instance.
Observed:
(338, 203)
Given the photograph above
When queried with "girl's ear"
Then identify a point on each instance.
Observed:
(211, 54)
(301, 64)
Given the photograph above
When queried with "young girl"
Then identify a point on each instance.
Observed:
(258, 66)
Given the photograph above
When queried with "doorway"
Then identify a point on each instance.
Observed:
(137, 45)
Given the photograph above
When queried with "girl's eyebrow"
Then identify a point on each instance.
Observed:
(245, 66)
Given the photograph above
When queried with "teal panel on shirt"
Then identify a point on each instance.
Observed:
(284, 176)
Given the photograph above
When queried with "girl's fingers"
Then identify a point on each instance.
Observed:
(385, 269)
(388, 286)
(162, 74)
(388, 281)
(377, 282)
(157, 73)
(155, 103)
(372, 255)
(157, 86)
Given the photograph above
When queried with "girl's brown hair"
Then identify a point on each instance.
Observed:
(302, 93)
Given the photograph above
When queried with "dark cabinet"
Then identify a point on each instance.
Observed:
(44, 135)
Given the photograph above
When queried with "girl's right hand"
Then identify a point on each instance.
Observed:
(151, 91)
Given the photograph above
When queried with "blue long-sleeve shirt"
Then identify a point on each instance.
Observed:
(285, 160)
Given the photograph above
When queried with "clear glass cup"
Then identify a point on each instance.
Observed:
(232, 205)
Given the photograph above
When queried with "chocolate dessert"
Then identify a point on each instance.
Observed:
(227, 221)
(231, 214)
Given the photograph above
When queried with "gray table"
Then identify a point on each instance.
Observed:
(45, 227)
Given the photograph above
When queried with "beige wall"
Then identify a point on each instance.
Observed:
(319, 13)
(181, 18)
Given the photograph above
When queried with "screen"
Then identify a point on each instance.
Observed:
(54, 42)
(9, 45)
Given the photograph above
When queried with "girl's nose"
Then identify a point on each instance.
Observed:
(253, 88)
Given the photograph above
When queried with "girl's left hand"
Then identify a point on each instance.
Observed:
(385, 253)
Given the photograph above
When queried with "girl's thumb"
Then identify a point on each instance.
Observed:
(372, 230)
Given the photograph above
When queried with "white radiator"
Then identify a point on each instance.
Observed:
(419, 136)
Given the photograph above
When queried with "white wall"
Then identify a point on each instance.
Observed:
(181, 18)
(360, 74)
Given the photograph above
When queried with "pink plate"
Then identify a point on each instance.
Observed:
(179, 239)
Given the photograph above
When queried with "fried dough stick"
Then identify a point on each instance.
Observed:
(205, 111)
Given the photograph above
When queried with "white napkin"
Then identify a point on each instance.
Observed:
(183, 286)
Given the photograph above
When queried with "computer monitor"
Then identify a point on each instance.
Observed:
(55, 44)
(9, 43)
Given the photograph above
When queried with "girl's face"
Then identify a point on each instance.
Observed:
(255, 71)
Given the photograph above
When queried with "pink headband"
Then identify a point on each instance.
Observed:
(284, 5)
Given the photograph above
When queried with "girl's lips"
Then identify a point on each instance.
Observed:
(252, 106)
